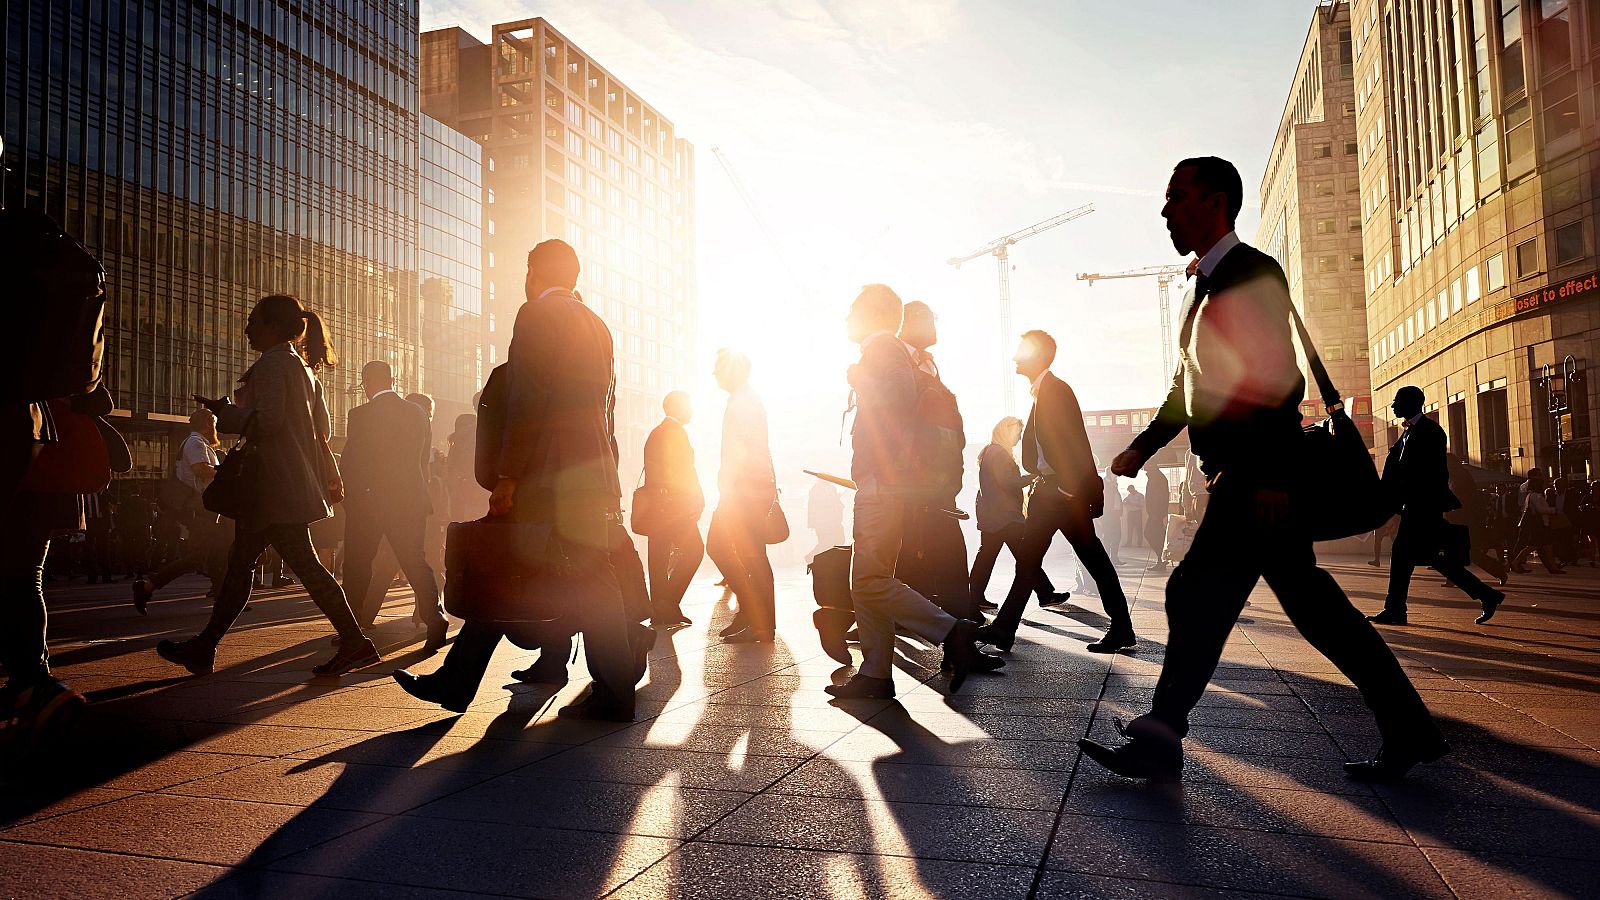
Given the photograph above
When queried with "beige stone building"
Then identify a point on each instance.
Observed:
(1311, 209)
(1479, 148)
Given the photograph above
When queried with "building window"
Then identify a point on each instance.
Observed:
(1353, 224)
(1561, 105)
(1362, 353)
(1321, 150)
(1455, 296)
(1555, 35)
(1569, 243)
(1327, 226)
(1326, 264)
(1349, 109)
(1333, 354)
(1528, 258)
(1512, 77)
(1322, 189)
(1494, 430)
(1494, 272)
(1349, 148)
(1474, 290)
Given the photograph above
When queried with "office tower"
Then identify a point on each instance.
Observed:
(450, 253)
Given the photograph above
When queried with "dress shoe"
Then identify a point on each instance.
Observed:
(545, 671)
(427, 689)
(989, 634)
(1393, 764)
(592, 709)
(863, 687)
(985, 604)
(738, 624)
(671, 622)
(1490, 605)
(142, 592)
(962, 653)
(1138, 758)
(1157, 567)
(1388, 617)
(45, 711)
(350, 655)
(198, 656)
(1113, 641)
(1059, 598)
(282, 582)
(749, 636)
(438, 635)
(1375, 564)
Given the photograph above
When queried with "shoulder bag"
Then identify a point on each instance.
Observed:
(235, 492)
(775, 526)
(507, 573)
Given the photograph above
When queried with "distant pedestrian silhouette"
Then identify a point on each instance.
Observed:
(674, 547)
(1157, 503)
(999, 513)
(747, 489)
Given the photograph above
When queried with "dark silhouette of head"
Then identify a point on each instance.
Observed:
(466, 431)
(1035, 353)
(875, 309)
(376, 377)
(676, 404)
(423, 402)
(1204, 197)
(1407, 402)
(732, 369)
(282, 318)
(551, 264)
(918, 325)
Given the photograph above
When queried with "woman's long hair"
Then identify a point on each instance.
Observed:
(303, 326)
(998, 435)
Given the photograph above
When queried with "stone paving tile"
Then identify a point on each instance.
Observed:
(661, 810)
(483, 858)
(254, 884)
(266, 740)
(34, 871)
(18, 808)
(176, 768)
(922, 830)
(1475, 875)
(647, 766)
(434, 751)
(331, 785)
(956, 785)
(701, 871)
(708, 737)
(1077, 886)
(1355, 817)
(224, 832)
(931, 750)
(1236, 859)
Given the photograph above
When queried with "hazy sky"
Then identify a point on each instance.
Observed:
(878, 139)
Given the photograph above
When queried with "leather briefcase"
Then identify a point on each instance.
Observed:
(507, 573)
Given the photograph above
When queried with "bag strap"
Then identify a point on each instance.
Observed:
(1319, 372)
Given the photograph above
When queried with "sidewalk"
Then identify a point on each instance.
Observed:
(741, 780)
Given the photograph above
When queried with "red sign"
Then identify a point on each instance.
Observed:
(1571, 289)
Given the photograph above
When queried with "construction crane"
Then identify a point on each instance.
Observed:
(761, 222)
(1000, 249)
(1164, 275)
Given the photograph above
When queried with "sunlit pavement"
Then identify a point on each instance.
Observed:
(742, 780)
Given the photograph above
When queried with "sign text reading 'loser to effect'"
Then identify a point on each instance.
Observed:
(1571, 289)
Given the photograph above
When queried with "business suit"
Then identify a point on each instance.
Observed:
(1157, 501)
(558, 445)
(1001, 522)
(1238, 392)
(675, 549)
(385, 467)
(933, 551)
(1067, 496)
(1417, 479)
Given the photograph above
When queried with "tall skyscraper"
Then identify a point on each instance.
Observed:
(573, 153)
(450, 250)
(1311, 209)
(1479, 153)
(209, 154)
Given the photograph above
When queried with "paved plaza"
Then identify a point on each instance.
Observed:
(742, 780)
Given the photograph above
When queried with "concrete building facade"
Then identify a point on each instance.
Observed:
(571, 152)
(1310, 210)
(1479, 150)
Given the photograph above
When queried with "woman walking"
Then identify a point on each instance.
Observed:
(1000, 519)
(281, 411)
(736, 539)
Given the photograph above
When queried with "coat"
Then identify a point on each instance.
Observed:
(1000, 485)
(282, 403)
(1056, 434)
(385, 460)
(669, 465)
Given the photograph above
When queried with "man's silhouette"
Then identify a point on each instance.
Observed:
(674, 546)
(1417, 479)
(1238, 391)
(1157, 500)
(1067, 497)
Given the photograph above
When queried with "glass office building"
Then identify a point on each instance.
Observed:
(213, 152)
(450, 250)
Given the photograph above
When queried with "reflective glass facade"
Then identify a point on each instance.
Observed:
(212, 152)
(450, 249)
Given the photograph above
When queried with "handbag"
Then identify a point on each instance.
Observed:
(509, 574)
(649, 505)
(1337, 492)
(775, 527)
(235, 491)
(77, 462)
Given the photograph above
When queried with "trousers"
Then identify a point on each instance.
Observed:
(1417, 543)
(735, 544)
(1049, 512)
(989, 545)
(883, 601)
(293, 543)
(674, 555)
(406, 532)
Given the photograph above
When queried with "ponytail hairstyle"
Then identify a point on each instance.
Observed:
(300, 325)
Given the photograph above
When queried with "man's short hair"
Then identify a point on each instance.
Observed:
(377, 370)
(734, 364)
(881, 304)
(1218, 176)
(1044, 342)
(555, 262)
(1410, 392)
(424, 401)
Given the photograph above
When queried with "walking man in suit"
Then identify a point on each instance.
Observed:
(1417, 478)
(674, 546)
(885, 395)
(1157, 501)
(1238, 391)
(385, 467)
(1067, 497)
(557, 466)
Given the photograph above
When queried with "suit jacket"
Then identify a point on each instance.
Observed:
(385, 461)
(1415, 474)
(1000, 485)
(558, 441)
(886, 394)
(669, 463)
(282, 402)
(1239, 387)
(1055, 428)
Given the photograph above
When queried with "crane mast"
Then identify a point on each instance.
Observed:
(1164, 276)
(1000, 249)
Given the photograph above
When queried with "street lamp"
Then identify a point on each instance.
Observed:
(1558, 383)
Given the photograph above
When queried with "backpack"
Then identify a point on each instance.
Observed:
(938, 438)
(60, 291)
